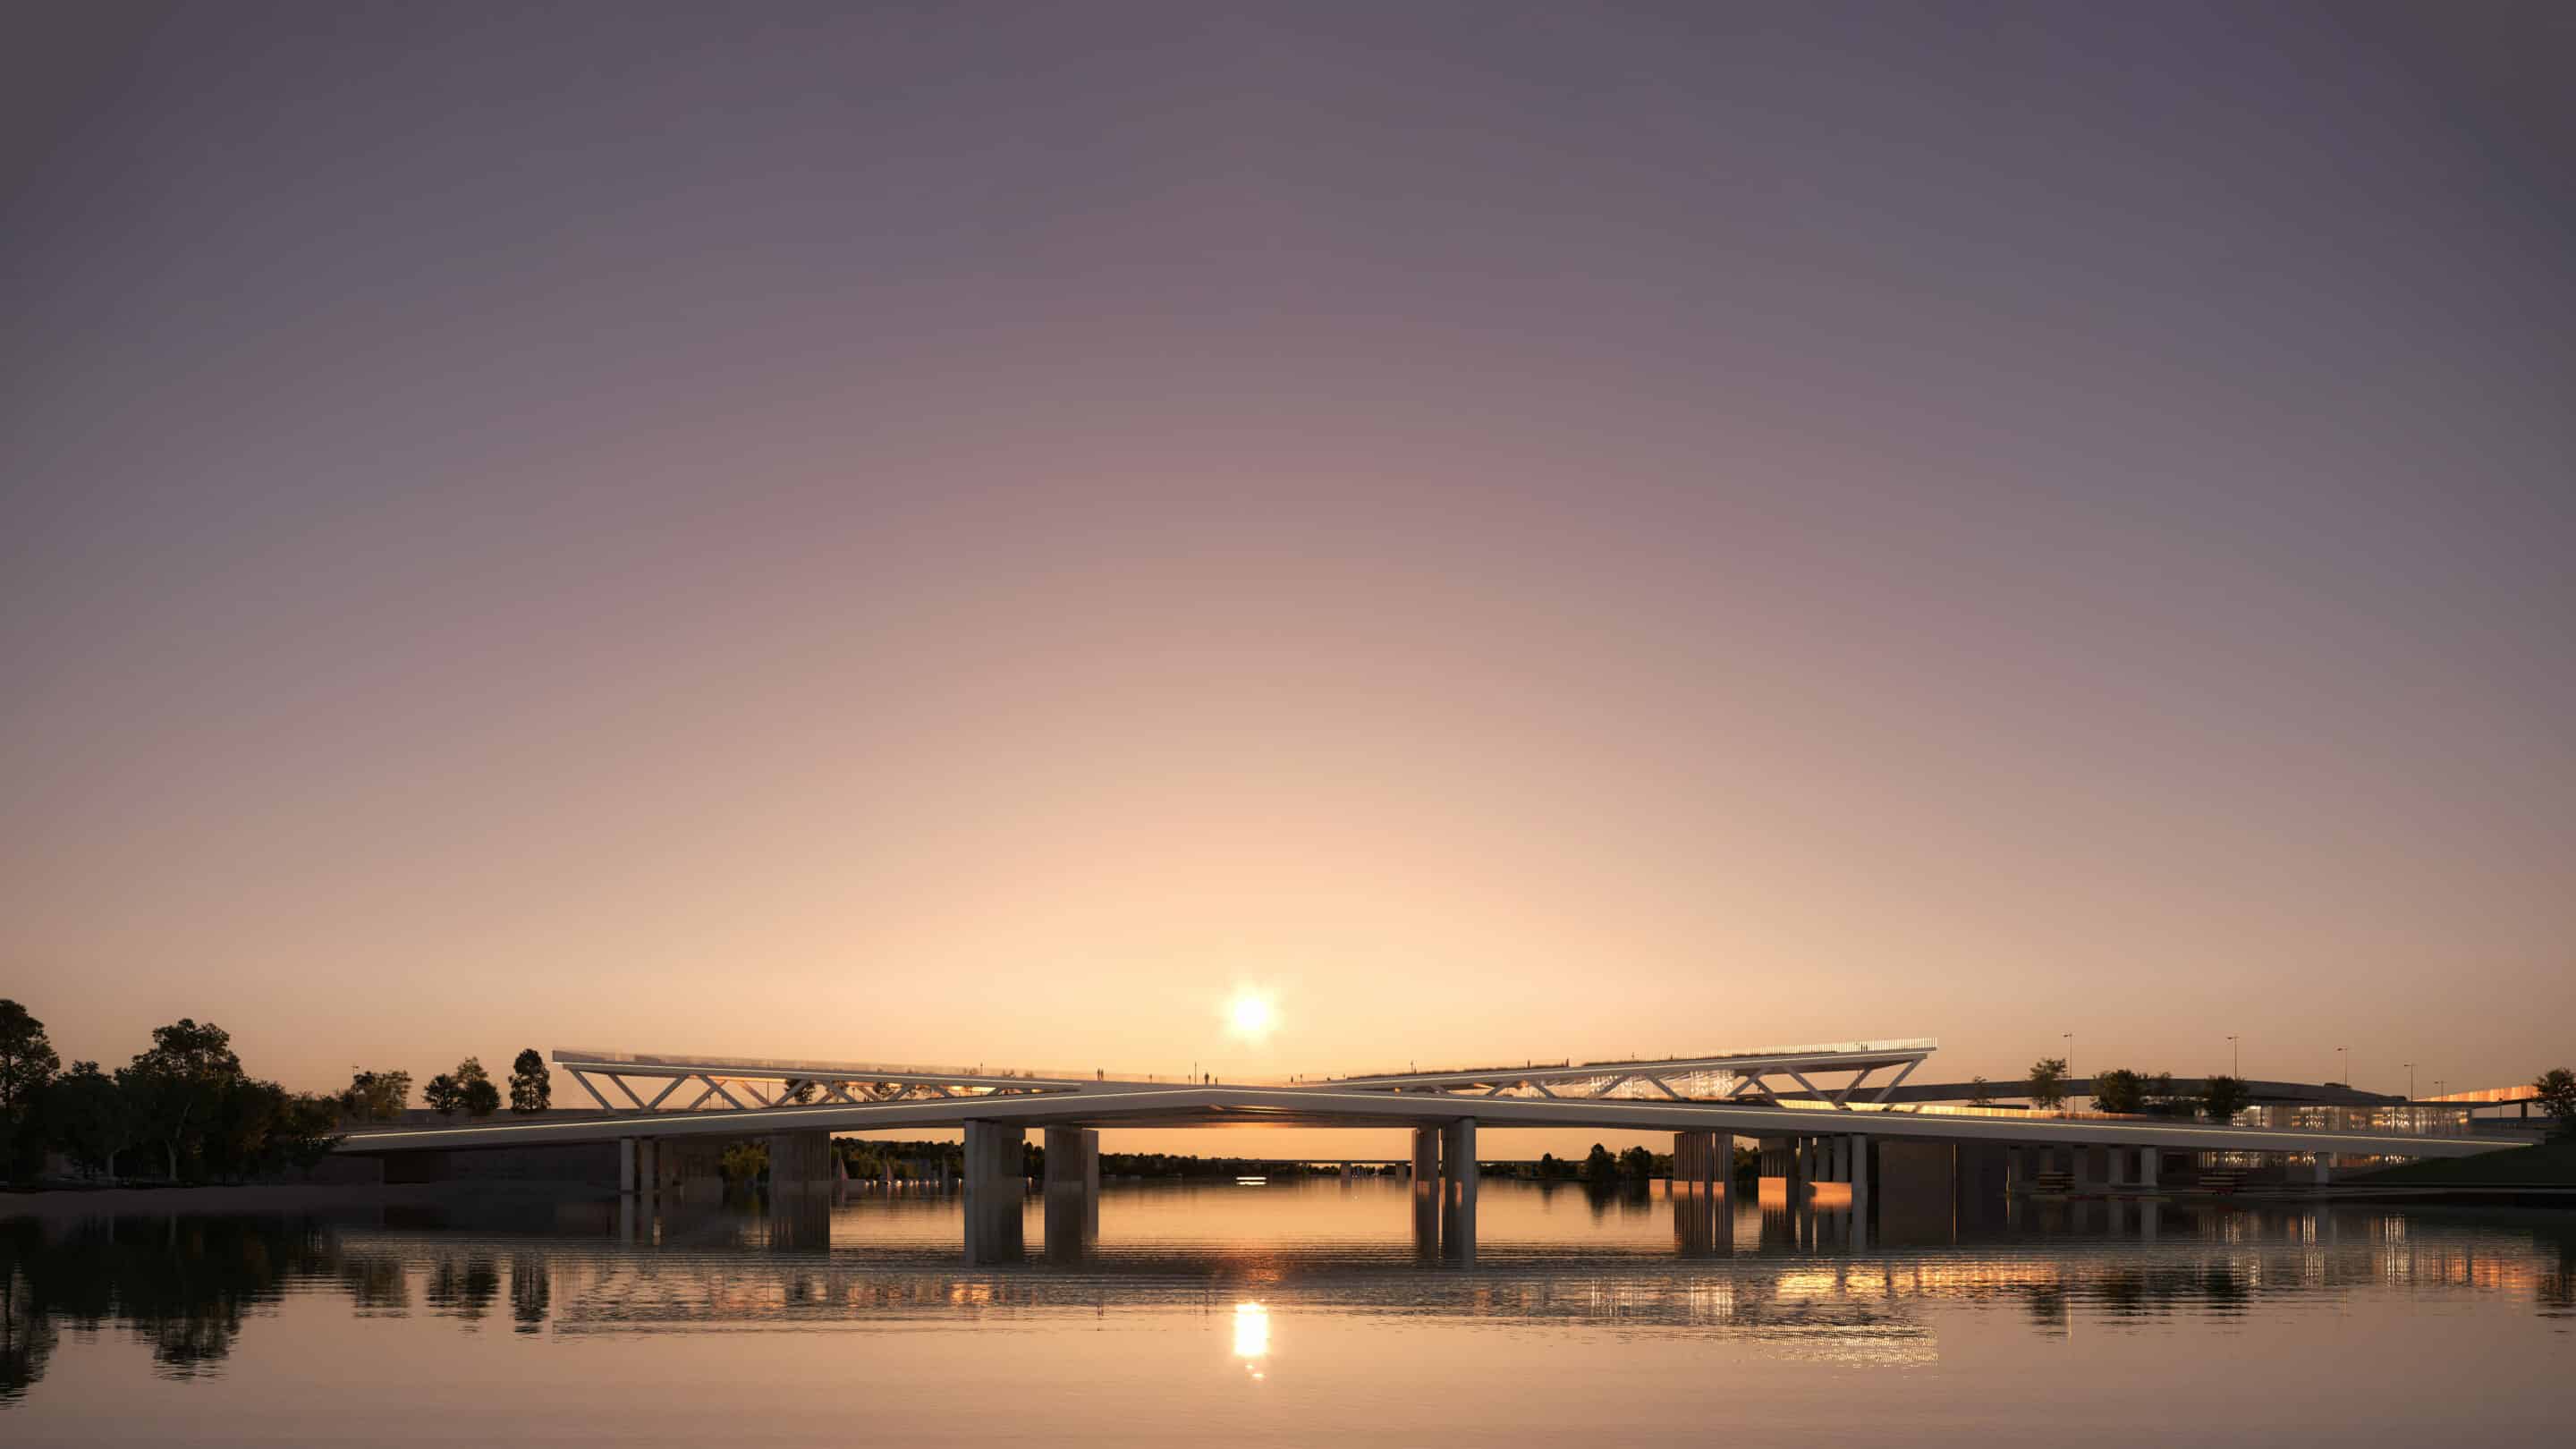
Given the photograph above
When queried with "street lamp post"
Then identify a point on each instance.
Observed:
(2070, 1056)
(2235, 1062)
(2410, 1081)
(2344, 1055)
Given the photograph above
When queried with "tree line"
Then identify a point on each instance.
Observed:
(186, 1106)
(2121, 1090)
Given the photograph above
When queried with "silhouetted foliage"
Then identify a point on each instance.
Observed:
(475, 1094)
(27, 1059)
(1599, 1166)
(444, 1095)
(2557, 1091)
(2119, 1090)
(27, 1063)
(90, 1117)
(178, 1086)
(2221, 1098)
(1980, 1092)
(2048, 1081)
(376, 1096)
(532, 1087)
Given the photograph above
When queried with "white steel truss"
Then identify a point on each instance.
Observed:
(1732, 1077)
(742, 1086)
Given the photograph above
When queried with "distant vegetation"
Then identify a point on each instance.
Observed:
(186, 1110)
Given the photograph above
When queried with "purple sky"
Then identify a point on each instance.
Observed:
(938, 533)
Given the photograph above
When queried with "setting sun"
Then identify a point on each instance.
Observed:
(1249, 1014)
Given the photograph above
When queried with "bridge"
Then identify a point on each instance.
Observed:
(1821, 1114)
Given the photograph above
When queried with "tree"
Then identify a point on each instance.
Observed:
(236, 1143)
(305, 1131)
(2557, 1091)
(376, 1096)
(90, 1117)
(444, 1094)
(473, 1090)
(1637, 1163)
(1599, 1166)
(2223, 1097)
(27, 1059)
(178, 1084)
(2119, 1090)
(27, 1063)
(1980, 1092)
(532, 1087)
(2048, 1081)
(2163, 1100)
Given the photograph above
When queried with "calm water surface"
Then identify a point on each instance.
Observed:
(1293, 1313)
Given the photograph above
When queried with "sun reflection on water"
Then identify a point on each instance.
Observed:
(1252, 1337)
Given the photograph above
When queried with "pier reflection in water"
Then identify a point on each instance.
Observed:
(1350, 1291)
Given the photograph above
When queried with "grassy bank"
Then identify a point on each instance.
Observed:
(2551, 1164)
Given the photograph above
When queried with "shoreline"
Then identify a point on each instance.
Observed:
(272, 1197)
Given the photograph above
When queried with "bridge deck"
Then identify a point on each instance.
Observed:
(1154, 1104)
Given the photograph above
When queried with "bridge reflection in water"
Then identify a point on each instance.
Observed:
(1065, 1225)
(1642, 1261)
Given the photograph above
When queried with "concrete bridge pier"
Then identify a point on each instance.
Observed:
(1426, 1157)
(1073, 1160)
(1703, 1162)
(995, 1188)
(1856, 1167)
(1701, 1190)
(1785, 1159)
(1426, 1225)
(1072, 1192)
(1458, 1191)
(801, 1162)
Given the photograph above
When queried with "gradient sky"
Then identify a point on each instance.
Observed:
(948, 534)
